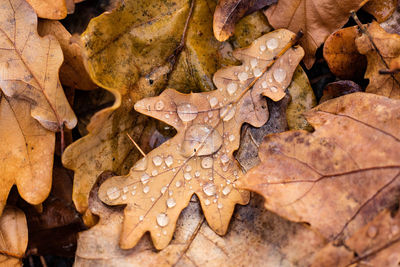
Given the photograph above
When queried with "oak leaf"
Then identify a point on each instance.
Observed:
(49, 9)
(388, 48)
(29, 66)
(228, 12)
(380, 9)
(335, 182)
(317, 19)
(14, 233)
(199, 158)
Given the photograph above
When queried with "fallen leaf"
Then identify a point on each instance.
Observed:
(317, 19)
(26, 152)
(49, 9)
(72, 71)
(335, 182)
(375, 244)
(388, 46)
(391, 25)
(256, 238)
(198, 159)
(380, 9)
(29, 66)
(342, 56)
(339, 88)
(228, 12)
(14, 233)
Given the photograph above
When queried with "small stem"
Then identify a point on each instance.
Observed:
(136, 145)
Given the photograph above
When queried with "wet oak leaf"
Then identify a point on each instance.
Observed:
(335, 182)
(229, 12)
(317, 19)
(199, 158)
(29, 66)
(14, 237)
(49, 9)
(26, 153)
(389, 48)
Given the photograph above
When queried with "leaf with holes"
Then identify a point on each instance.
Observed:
(341, 175)
(199, 158)
(29, 66)
(380, 53)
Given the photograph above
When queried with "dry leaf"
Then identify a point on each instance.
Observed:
(391, 25)
(317, 19)
(14, 233)
(339, 88)
(381, 9)
(256, 238)
(72, 71)
(49, 9)
(376, 244)
(26, 152)
(198, 159)
(228, 12)
(342, 56)
(335, 182)
(29, 66)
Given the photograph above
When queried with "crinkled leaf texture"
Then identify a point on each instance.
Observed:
(199, 158)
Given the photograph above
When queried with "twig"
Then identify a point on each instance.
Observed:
(136, 145)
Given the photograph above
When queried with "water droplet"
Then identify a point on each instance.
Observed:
(125, 189)
(145, 178)
(162, 219)
(133, 192)
(170, 192)
(220, 206)
(257, 72)
(197, 174)
(154, 173)
(279, 75)
(209, 189)
(231, 88)
(169, 161)
(264, 84)
(163, 189)
(207, 202)
(123, 197)
(262, 48)
(213, 102)
(187, 112)
(113, 193)
(272, 43)
(178, 183)
(226, 190)
(146, 189)
(171, 202)
(273, 89)
(157, 160)
(152, 199)
(243, 76)
(207, 162)
(159, 105)
(202, 140)
(166, 116)
(253, 62)
(187, 176)
(188, 168)
(372, 231)
(231, 138)
(227, 113)
(141, 217)
(224, 159)
(210, 114)
(141, 164)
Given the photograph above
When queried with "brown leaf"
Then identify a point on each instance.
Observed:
(228, 12)
(391, 25)
(388, 46)
(317, 19)
(14, 233)
(342, 56)
(26, 152)
(198, 159)
(375, 244)
(256, 238)
(29, 66)
(49, 9)
(341, 175)
(72, 71)
(381, 9)
(339, 88)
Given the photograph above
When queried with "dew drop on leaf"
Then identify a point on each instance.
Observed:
(231, 88)
(209, 189)
(113, 193)
(187, 112)
(279, 75)
(145, 178)
(157, 160)
(171, 202)
(207, 162)
(162, 219)
(159, 105)
(169, 161)
(272, 43)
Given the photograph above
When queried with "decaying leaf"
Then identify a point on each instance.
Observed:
(391, 25)
(388, 46)
(228, 12)
(72, 71)
(317, 19)
(14, 237)
(376, 244)
(381, 9)
(339, 88)
(26, 153)
(342, 56)
(335, 182)
(49, 9)
(199, 158)
(29, 66)
(256, 238)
